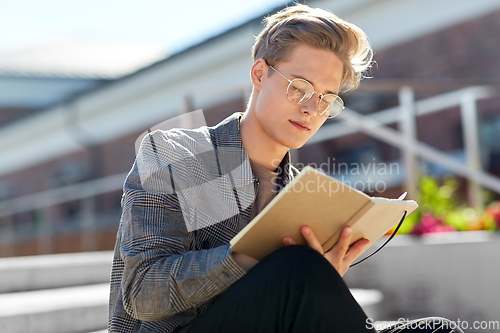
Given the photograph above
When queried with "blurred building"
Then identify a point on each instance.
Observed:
(68, 131)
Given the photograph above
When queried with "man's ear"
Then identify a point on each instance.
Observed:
(258, 73)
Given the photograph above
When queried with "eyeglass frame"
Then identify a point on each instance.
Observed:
(314, 91)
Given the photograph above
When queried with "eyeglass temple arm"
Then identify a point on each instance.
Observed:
(280, 74)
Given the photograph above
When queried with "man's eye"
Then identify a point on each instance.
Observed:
(298, 90)
(325, 104)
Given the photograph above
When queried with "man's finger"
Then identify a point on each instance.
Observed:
(311, 239)
(342, 244)
(356, 249)
(288, 241)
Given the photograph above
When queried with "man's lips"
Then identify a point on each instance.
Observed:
(300, 125)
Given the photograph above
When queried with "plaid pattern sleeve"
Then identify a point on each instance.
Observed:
(160, 260)
(183, 201)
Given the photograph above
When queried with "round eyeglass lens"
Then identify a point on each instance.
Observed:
(330, 105)
(299, 91)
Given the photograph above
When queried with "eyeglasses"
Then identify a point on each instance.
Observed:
(300, 91)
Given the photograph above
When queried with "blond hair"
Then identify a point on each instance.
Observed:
(315, 27)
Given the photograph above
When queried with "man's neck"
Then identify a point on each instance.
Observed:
(259, 147)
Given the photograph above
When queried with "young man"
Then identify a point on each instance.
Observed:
(190, 191)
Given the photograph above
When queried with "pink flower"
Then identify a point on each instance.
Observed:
(495, 211)
(430, 224)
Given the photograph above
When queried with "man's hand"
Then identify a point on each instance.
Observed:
(341, 255)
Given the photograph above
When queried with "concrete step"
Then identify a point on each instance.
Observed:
(54, 271)
(69, 293)
(64, 310)
(370, 300)
(84, 308)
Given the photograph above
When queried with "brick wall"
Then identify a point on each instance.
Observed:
(467, 51)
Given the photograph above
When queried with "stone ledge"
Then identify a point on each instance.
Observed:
(54, 271)
(75, 309)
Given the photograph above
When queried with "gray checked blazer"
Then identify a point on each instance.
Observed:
(188, 193)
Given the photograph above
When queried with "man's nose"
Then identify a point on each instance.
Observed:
(310, 107)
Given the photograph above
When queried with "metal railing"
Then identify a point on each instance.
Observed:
(406, 141)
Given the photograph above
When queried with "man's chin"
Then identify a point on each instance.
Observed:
(296, 145)
(293, 143)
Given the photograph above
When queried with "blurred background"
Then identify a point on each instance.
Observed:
(81, 80)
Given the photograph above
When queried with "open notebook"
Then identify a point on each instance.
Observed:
(326, 205)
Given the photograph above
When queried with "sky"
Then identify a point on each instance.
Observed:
(171, 25)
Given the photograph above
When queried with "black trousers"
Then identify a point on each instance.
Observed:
(293, 289)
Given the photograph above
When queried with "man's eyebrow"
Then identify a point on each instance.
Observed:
(303, 78)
